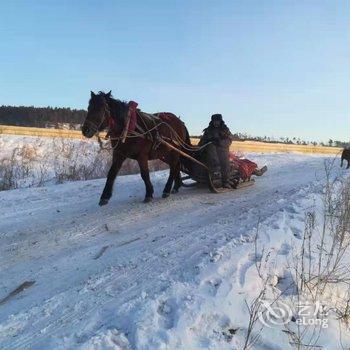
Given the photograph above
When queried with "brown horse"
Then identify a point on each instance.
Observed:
(105, 112)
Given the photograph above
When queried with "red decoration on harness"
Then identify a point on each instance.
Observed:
(133, 115)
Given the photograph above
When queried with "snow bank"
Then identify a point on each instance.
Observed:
(35, 161)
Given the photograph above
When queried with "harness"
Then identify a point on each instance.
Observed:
(139, 124)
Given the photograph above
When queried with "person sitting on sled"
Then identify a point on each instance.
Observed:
(219, 134)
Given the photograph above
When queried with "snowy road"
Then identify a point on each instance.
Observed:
(94, 267)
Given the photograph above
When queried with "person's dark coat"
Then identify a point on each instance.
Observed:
(222, 138)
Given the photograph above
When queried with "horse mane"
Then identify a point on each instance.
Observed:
(118, 107)
(109, 97)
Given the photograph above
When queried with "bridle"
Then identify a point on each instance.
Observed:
(107, 117)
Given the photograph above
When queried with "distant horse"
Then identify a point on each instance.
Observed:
(105, 112)
(345, 155)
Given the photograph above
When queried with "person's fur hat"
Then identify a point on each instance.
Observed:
(216, 117)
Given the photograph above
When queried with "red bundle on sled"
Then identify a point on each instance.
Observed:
(245, 167)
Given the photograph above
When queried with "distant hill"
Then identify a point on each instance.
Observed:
(42, 117)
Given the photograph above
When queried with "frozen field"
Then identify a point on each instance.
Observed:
(171, 274)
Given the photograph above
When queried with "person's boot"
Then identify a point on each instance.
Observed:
(225, 184)
(235, 183)
(224, 179)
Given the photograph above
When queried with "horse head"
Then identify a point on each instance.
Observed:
(98, 114)
(104, 112)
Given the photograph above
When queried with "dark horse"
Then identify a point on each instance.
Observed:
(107, 113)
(345, 155)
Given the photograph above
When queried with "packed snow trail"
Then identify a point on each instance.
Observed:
(87, 260)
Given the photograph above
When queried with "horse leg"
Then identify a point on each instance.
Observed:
(174, 172)
(112, 174)
(177, 182)
(348, 164)
(342, 161)
(143, 164)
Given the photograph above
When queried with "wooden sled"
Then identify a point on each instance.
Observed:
(202, 176)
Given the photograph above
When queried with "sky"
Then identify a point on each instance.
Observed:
(275, 68)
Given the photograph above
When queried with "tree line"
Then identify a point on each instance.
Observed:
(67, 118)
(292, 141)
(287, 140)
(42, 117)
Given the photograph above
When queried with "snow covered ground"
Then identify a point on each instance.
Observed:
(171, 274)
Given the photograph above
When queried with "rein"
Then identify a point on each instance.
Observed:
(131, 125)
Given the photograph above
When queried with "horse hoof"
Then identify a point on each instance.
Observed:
(165, 195)
(174, 191)
(147, 200)
(103, 201)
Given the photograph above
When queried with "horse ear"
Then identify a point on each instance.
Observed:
(92, 94)
(109, 94)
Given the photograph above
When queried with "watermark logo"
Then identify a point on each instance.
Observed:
(274, 314)
(278, 313)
